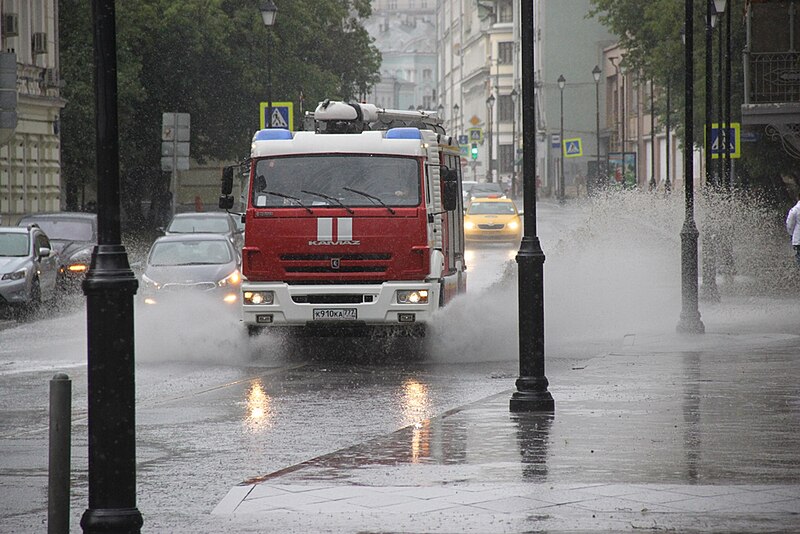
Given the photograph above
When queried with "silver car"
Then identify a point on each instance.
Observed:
(28, 269)
(183, 266)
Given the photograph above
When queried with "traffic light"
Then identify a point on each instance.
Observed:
(474, 150)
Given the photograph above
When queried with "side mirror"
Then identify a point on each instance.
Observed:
(44, 252)
(450, 192)
(227, 181)
(226, 202)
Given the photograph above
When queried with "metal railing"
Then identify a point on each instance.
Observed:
(774, 77)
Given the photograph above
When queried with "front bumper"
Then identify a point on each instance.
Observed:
(14, 292)
(352, 306)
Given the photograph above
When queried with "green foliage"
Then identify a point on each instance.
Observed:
(651, 34)
(208, 58)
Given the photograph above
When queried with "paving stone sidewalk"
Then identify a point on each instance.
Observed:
(667, 434)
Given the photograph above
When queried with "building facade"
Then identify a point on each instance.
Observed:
(30, 104)
(405, 33)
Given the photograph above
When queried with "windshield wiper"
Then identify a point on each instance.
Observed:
(326, 197)
(371, 197)
(290, 197)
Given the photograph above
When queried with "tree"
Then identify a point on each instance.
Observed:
(651, 35)
(207, 58)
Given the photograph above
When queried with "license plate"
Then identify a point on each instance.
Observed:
(335, 314)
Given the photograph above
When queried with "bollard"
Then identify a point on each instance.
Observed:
(59, 456)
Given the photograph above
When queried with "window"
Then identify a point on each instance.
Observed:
(505, 52)
(505, 11)
(505, 158)
(426, 75)
(505, 108)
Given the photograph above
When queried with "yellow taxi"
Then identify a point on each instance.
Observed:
(492, 218)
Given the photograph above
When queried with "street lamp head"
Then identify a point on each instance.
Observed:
(268, 11)
(490, 101)
(440, 110)
(713, 20)
(514, 94)
(455, 109)
(720, 5)
(596, 74)
(562, 82)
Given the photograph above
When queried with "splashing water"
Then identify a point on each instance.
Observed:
(613, 268)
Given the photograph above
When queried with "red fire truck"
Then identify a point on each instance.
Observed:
(352, 227)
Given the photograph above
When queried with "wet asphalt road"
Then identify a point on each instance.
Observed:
(215, 408)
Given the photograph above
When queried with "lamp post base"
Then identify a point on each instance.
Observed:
(690, 323)
(116, 520)
(532, 396)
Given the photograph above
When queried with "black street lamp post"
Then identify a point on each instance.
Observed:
(455, 119)
(728, 162)
(596, 75)
(514, 95)
(562, 82)
(710, 291)
(489, 108)
(531, 394)
(668, 126)
(690, 322)
(109, 287)
(652, 137)
(268, 13)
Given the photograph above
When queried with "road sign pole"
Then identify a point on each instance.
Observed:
(174, 179)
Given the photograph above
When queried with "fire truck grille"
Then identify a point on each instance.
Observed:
(342, 269)
(328, 257)
(491, 226)
(328, 299)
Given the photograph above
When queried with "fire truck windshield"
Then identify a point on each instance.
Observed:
(351, 180)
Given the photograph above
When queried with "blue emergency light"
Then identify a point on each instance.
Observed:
(403, 133)
(272, 134)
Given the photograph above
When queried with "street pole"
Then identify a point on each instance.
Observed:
(652, 137)
(269, 11)
(489, 109)
(514, 95)
(728, 162)
(596, 75)
(709, 292)
(668, 182)
(531, 394)
(109, 287)
(690, 322)
(562, 82)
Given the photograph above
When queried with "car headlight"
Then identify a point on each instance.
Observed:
(259, 297)
(513, 225)
(232, 279)
(17, 275)
(412, 296)
(149, 283)
(469, 225)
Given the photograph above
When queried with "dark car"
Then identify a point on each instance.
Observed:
(486, 190)
(182, 266)
(74, 236)
(216, 222)
(28, 269)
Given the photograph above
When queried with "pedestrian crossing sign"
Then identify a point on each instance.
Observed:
(719, 136)
(282, 115)
(572, 148)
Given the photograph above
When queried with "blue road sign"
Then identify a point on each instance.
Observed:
(573, 148)
(282, 115)
(719, 136)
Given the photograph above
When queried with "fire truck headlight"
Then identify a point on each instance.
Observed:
(259, 297)
(416, 296)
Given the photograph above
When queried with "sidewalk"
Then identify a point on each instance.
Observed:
(684, 434)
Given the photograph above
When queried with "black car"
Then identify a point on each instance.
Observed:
(486, 190)
(73, 235)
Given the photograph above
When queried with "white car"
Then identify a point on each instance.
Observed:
(28, 269)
